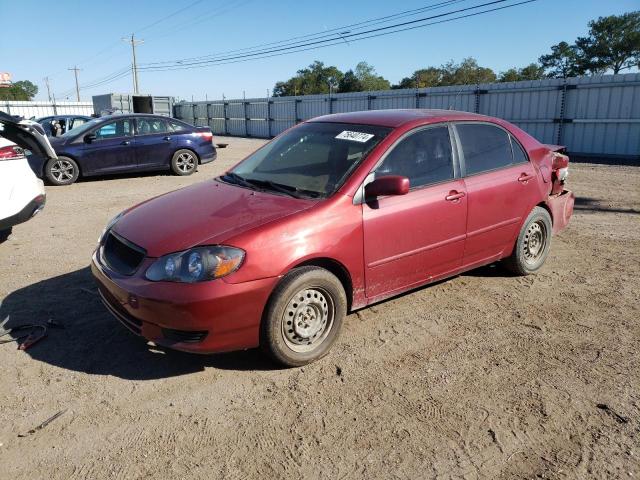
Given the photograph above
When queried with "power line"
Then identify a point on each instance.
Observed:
(372, 33)
(324, 33)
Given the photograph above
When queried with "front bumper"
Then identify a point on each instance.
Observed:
(30, 210)
(203, 317)
(561, 207)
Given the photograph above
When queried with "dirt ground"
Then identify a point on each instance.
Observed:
(481, 376)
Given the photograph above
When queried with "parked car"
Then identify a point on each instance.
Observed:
(22, 195)
(126, 143)
(56, 125)
(331, 216)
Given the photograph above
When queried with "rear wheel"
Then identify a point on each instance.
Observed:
(184, 162)
(532, 247)
(303, 317)
(62, 171)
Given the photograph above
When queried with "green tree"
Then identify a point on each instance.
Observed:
(350, 83)
(613, 44)
(314, 79)
(369, 79)
(21, 90)
(468, 72)
(532, 71)
(562, 62)
(423, 78)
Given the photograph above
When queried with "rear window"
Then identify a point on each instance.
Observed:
(485, 147)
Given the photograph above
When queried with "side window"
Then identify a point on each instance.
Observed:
(485, 147)
(424, 157)
(518, 153)
(77, 122)
(119, 128)
(175, 126)
(150, 126)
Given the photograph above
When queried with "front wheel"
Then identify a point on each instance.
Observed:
(62, 171)
(532, 247)
(303, 317)
(184, 162)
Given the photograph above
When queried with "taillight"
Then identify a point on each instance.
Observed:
(12, 152)
(559, 161)
(204, 135)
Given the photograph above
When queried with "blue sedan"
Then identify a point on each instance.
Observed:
(126, 143)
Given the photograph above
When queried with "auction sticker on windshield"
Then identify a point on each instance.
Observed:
(355, 136)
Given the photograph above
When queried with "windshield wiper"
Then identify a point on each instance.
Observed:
(290, 190)
(238, 180)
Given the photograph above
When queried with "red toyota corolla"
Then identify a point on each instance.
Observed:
(334, 214)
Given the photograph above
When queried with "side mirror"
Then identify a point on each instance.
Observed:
(387, 185)
(90, 137)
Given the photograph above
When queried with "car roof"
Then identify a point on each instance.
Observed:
(116, 116)
(398, 117)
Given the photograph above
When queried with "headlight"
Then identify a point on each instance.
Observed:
(196, 265)
(110, 224)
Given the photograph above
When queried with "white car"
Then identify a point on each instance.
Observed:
(22, 194)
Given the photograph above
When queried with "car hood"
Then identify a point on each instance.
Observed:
(207, 213)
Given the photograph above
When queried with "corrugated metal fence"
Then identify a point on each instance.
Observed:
(590, 115)
(43, 109)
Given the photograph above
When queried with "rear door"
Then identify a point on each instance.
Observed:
(414, 238)
(154, 146)
(112, 150)
(501, 189)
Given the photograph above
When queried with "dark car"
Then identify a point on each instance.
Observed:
(126, 143)
(333, 215)
(57, 125)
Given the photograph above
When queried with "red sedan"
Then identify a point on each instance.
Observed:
(333, 215)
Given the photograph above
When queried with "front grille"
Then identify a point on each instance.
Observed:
(184, 336)
(121, 255)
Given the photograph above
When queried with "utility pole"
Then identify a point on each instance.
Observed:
(75, 71)
(46, 81)
(134, 66)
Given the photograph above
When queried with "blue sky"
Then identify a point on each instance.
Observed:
(54, 36)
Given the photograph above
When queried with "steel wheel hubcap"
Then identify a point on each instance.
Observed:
(185, 162)
(535, 241)
(307, 319)
(62, 170)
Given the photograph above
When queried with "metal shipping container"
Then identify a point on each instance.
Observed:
(125, 103)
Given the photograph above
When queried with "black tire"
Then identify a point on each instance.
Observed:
(532, 247)
(61, 171)
(315, 300)
(184, 162)
(5, 234)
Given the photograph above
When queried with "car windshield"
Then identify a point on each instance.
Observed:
(311, 160)
(85, 127)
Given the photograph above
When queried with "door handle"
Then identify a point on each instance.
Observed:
(454, 196)
(167, 138)
(126, 142)
(524, 177)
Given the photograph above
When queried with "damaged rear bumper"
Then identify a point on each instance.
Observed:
(561, 207)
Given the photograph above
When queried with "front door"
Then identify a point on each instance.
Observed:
(111, 150)
(414, 238)
(501, 187)
(154, 144)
